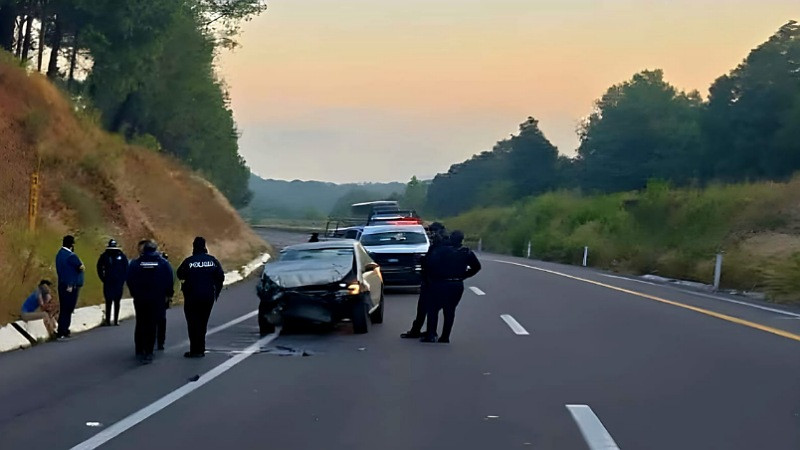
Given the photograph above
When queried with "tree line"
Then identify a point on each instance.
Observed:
(148, 68)
(747, 129)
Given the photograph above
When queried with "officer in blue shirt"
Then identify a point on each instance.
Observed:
(70, 271)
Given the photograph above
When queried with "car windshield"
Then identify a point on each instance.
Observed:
(393, 238)
(318, 254)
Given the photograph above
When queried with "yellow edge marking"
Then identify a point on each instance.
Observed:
(736, 320)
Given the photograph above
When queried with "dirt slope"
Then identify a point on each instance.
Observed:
(94, 186)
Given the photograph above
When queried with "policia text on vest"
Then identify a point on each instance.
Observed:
(202, 278)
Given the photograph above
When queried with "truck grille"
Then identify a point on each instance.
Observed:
(395, 259)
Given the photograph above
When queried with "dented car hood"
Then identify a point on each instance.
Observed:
(295, 274)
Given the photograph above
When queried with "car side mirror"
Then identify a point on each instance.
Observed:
(370, 267)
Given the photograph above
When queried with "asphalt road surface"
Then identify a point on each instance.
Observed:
(542, 356)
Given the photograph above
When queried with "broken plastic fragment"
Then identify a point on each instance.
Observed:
(93, 424)
(361, 349)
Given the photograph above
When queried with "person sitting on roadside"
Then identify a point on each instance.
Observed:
(38, 305)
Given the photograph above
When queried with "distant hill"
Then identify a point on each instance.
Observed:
(310, 199)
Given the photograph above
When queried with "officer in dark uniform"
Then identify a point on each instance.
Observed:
(112, 268)
(202, 277)
(448, 267)
(438, 238)
(150, 282)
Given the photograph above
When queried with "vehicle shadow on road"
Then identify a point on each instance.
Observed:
(298, 328)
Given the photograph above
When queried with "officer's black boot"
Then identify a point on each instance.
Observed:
(116, 311)
(107, 321)
(428, 338)
(411, 334)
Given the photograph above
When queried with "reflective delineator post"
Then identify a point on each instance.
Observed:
(33, 201)
(585, 255)
(480, 245)
(529, 249)
(717, 271)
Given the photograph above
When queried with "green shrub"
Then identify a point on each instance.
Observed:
(87, 209)
(782, 280)
(147, 141)
(34, 124)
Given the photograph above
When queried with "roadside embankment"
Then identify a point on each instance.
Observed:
(673, 233)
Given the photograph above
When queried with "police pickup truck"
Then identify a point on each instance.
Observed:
(399, 250)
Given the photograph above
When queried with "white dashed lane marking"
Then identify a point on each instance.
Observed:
(514, 325)
(593, 431)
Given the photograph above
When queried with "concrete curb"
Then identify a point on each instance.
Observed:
(89, 317)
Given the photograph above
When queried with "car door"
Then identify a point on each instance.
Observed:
(371, 277)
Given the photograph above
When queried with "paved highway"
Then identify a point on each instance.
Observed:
(542, 356)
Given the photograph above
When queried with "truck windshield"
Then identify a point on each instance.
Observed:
(324, 254)
(393, 238)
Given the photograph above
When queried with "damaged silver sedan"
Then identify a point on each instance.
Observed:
(321, 282)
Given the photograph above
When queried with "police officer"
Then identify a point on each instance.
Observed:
(112, 268)
(70, 271)
(438, 238)
(150, 282)
(449, 266)
(202, 278)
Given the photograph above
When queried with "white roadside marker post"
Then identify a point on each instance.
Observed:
(717, 271)
(529, 249)
(585, 255)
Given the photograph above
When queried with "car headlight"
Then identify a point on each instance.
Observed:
(353, 288)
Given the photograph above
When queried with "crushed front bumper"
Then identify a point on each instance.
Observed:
(317, 307)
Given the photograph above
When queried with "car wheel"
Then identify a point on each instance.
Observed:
(377, 315)
(264, 325)
(360, 318)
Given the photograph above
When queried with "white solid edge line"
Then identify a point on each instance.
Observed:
(514, 325)
(125, 424)
(593, 431)
(476, 290)
(219, 328)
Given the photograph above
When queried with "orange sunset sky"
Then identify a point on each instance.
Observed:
(379, 90)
